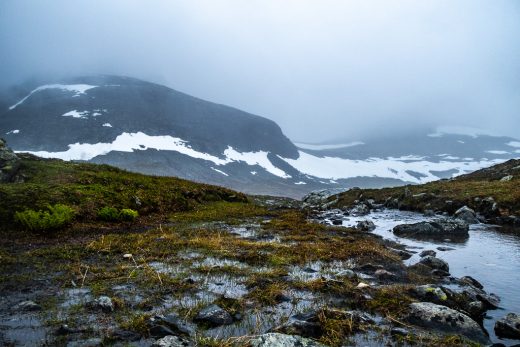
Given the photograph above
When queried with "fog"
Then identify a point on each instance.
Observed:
(321, 69)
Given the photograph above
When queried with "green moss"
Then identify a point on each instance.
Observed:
(55, 217)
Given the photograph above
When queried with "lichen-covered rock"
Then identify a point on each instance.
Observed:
(282, 340)
(445, 320)
(435, 263)
(9, 162)
(103, 303)
(508, 327)
(430, 293)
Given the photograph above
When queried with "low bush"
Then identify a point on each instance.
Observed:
(55, 217)
(112, 214)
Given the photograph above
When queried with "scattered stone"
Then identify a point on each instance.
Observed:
(467, 214)
(438, 229)
(362, 285)
(430, 293)
(283, 340)
(172, 341)
(445, 320)
(27, 306)
(471, 281)
(508, 327)
(125, 335)
(346, 273)
(360, 209)
(429, 213)
(428, 252)
(103, 303)
(303, 324)
(435, 263)
(365, 225)
(127, 256)
(214, 315)
(402, 254)
(66, 330)
(385, 275)
(399, 332)
(336, 221)
(160, 331)
(445, 248)
(176, 323)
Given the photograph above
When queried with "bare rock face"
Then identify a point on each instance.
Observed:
(9, 162)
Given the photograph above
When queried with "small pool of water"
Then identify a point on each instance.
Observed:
(489, 255)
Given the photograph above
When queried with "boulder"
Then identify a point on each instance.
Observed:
(365, 225)
(467, 215)
(9, 162)
(430, 293)
(283, 340)
(445, 320)
(214, 315)
(361, 209)
(175, 323)
(172, 341)
(103, 303)
(428, 252)
(435, 263)
(508, 327)
(438, 229)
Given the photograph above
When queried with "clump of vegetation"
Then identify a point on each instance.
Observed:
(55, 217)
(112, 214)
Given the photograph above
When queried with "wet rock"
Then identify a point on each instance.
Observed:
(174, 322)
(361, 209)
(467, 214)
(439, 229)
(160, 331)
(214, 315)
(26, 306)
(346, 273)
(9, 163)
(445, 320)
(402, 253)
(471, 281)
(399, 332)
(103, 303)
(435, 263)
(282, 340)
(362, 285)
(93, 342)
(429, 213)
(303, 324)
(172, 341)
(125, 335)
(428, 252)
(66, 330)
(444, 248)
(508, 327)
(336, 221)
(440, 273)
(365, 225)
(430, 293)
(385, 275)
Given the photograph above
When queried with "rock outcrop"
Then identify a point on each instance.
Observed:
(9, 162)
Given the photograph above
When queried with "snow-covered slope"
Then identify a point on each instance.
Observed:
(153, 129)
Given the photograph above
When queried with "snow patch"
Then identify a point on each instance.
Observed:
(513, 144)
(108, 125)
(325, 147)
(76, 114)
(253, 173)
(219, 171)
(15, 131)
(336, 168)
(128, 142)
(77, 89)
(300, 183)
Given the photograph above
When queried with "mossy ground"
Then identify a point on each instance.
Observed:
(184, 236)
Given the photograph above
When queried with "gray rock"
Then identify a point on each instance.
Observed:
(103, 303)
(360, 209)
(214, 315)
(471, 281)
(399, 332)
(27, 306)
(282, 340)
(346, 273)
(428, 252)
(174, 322)
(429, 213)
(466, 214)
(508, 327)
(438, 229)
(445, 320)
(430, 293)
(506, 178)
(365, 225)
(385, 275)
(435, 263)
(172, 341)
(9, 162)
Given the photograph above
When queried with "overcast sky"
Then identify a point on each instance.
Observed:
(321, 69)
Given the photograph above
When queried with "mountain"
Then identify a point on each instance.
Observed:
(149, 128)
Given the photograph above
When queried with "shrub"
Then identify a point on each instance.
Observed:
(112, 214)
(128, 214)
(55, 217)
(108, 214)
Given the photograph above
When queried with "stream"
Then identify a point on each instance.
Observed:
(489, 255)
